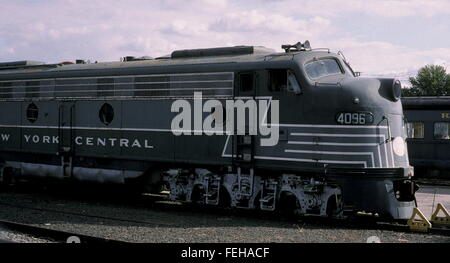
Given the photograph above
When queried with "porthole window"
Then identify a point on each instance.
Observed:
(106, 114)
(32, 112)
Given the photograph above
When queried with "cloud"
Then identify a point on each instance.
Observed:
(59, 30)
(381, 8)
(404, 8)
(251, 21)
(382, 59)
(101, 30)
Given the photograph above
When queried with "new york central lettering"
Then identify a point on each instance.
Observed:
(4, 137)
(41, 139)
(88, 141)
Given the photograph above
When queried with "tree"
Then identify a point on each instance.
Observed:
(431, 80)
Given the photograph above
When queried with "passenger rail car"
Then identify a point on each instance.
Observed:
(240, 126)
(428, 125)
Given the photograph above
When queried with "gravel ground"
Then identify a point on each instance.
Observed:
(147, 222)
(7, 236)
(430, 195)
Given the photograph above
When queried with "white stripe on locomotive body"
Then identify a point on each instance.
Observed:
(348, 148)
(376, 162)
(333, 143)
(333, 153)
(390, 144)
(331, 126)
(335, 134)
(383, 136)
(310, 160)
(109, 129)
(379, 157)
(380, 164)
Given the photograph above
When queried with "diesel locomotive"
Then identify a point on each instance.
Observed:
(241, 126)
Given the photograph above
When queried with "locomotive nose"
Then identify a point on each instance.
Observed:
(383, 94)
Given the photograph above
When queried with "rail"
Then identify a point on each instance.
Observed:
(54, 235)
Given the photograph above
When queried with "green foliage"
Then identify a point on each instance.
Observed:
(431, 80)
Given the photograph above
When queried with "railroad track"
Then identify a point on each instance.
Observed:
(146, 222)
(52, 234)
(405, 228)
(3, 241)
(368, 223)
(59, 236)
(352, 223)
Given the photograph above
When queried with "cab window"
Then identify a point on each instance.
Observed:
(283, 80)
(246, 82)
(277, 80)
(323, 67)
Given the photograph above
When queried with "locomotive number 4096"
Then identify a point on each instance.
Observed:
(354, 118)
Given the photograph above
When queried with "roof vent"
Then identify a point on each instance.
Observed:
(132, 58)
(18, 64)
(220, 51)
(66, 63)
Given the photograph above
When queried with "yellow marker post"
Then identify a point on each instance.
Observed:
(440, 220)
(422, 224)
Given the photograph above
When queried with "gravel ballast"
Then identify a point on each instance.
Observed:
(111, 217)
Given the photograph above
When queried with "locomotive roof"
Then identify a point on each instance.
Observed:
(257, 54)
(439, 102)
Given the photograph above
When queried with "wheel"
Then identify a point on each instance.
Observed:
(333, 209)
(198, 195)
(288, 205)
(224, 198)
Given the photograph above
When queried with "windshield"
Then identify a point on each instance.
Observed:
(323, 67)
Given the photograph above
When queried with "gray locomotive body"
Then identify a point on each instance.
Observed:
(339, 142)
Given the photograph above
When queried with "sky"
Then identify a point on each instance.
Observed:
(384, 38)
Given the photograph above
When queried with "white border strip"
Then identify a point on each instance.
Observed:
(310, 160)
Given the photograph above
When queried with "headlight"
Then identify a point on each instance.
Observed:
(396, 89)
(391, 88)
